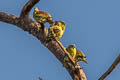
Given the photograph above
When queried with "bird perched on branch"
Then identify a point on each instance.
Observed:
(42, 16)
(71, 49)
(56, 30)
(77, 55)
(80, 56)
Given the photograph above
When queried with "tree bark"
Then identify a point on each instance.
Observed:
(40, 32)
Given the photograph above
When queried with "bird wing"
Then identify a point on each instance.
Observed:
(56, 30)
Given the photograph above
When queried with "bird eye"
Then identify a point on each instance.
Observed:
(81, 56)
(56, 22)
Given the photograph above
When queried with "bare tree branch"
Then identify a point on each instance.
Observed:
(26, 9)
(8, 18)
(40, 32)
(112, 67)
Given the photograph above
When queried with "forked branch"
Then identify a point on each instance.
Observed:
(26, 9)
(37, 30)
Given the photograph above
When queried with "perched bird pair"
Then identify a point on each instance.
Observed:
(56, 28)
(77, 55)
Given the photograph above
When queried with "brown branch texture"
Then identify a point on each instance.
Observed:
(25, 23)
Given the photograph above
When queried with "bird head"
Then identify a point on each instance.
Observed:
(80, 56)
(59, 23)
(50, 18)
(84, 60)
(36, 9)
(62, 23)
(72, 46)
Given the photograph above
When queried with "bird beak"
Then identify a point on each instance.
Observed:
(86, 62)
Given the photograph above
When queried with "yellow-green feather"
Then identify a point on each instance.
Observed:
(72, 51)
(57, 26)
(80, 56)
(42, 17)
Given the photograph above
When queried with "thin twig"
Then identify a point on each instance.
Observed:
(112, 67)
(26, 9)
(40, 78)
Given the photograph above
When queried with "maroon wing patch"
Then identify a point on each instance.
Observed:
(41, 12)
(56, 30)
(56, 22)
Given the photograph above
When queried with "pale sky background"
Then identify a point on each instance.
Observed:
(93, 25)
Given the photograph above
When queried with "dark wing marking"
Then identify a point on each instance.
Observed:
(56, 30)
